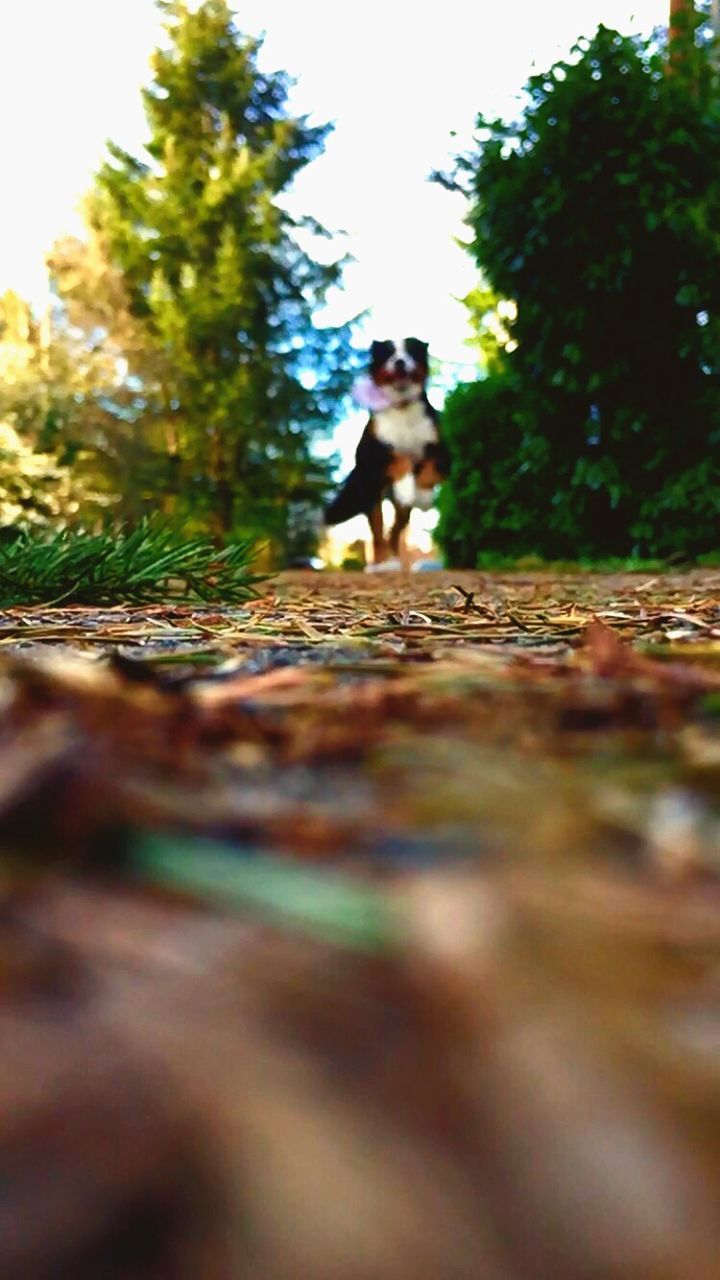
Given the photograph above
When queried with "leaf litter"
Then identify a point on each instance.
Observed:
(395, 907)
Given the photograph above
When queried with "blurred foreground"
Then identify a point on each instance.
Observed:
(443, 999)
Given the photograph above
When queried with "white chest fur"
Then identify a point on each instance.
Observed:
(406, 430)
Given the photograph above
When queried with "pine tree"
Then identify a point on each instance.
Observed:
(215, 274)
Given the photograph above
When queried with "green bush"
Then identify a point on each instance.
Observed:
(487, 503)
(598, 212)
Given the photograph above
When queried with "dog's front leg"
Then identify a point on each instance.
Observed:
(429, 472)
(402, 516)
(377, 529)
(398, 470)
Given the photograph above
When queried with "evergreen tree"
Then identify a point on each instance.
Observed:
(215, 274)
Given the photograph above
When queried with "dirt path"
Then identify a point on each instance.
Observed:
(409, 889)
(348, 716)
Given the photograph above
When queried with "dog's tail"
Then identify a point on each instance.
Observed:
(357, 497)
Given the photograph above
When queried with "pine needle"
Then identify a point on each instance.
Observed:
(150, 563)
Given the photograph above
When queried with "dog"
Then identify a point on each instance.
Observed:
(401, 455)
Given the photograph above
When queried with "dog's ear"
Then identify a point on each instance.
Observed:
(418, 350)
(380, 352)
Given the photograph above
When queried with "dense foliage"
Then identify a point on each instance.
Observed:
(597, 429)
(47, 404)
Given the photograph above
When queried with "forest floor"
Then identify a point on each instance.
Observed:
(410, 886)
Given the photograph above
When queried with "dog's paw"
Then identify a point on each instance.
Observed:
(393, 565)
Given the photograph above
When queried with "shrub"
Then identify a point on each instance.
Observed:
(598, 213)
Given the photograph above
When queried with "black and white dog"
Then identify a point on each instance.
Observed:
(400, 455)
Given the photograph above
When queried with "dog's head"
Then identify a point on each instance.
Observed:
(400, 368)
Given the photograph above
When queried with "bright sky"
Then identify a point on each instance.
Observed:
(395, 79)
(395, 82)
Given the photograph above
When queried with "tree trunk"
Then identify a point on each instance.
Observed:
(678, 8)
(678, 34)
(222, 516)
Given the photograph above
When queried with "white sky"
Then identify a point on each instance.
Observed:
(396, 83)
(396, 78)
